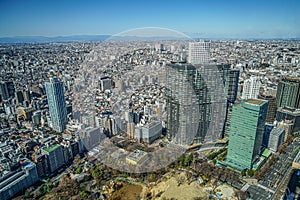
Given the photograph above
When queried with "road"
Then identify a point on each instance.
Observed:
(278, 176)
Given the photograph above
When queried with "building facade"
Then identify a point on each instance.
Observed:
(57, 104)
(251, 88)
(276, 138)
(195, 102)
(18, 180)
(55, 157)
(4, 95)
(291, 115)
(271, 108)
(288, 93)
(198, 52)
(246, 133)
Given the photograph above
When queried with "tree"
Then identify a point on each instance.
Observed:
(78, 170)
(243, 173)
(250, 172)
(188, 160)
(83, 194)
(181, 160)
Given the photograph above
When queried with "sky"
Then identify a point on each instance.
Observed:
(198, 18)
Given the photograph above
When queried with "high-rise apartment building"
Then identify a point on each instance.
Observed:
(57, 104)
(251, 88)
(288, 93)
(198, 52)
(246, 133)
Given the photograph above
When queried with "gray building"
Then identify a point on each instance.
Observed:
(4, 95)
(18, 180)
(276, 138)
(198, 52)
(105, 83)
(148, 133)
(90, 137)
(55, 157)
(288, 93)
(196, 103)
(290, 114)
(57, 104)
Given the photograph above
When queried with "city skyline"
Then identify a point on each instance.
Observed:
(213, 19)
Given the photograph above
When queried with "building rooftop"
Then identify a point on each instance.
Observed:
(289, 110)
(51, 148)
(254, 101)
(136, 155)
(296, 161)
(291, 79)
(277, 131)
(266, 153)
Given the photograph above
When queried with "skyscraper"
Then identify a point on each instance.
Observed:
(4, 95)
(288, 93)
(57, 104)
(230, 80)
(251, 88)
(196, 103)
(246, 133)
(271, 108)
(231, 84)
(198, 52)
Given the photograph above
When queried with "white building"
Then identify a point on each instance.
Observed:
(251, 88)
(198, 52)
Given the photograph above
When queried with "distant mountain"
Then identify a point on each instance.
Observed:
(41, 39)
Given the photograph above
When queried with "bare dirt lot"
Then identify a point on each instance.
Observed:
(177, 187)
(127, 191)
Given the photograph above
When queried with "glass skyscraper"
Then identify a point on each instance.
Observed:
(246, 133)
(196, 103)
(57, 104)
(288, 93)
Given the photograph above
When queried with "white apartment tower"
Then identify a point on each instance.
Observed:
(251, 88)
(198, 52)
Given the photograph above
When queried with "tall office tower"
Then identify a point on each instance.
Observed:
(271, 108)
(251, 88)
(57, 104)
(198, 52)
(231, 84)
(230, 80)
(288, 93)
(4, 95)
(246, 133)
(195, 103)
